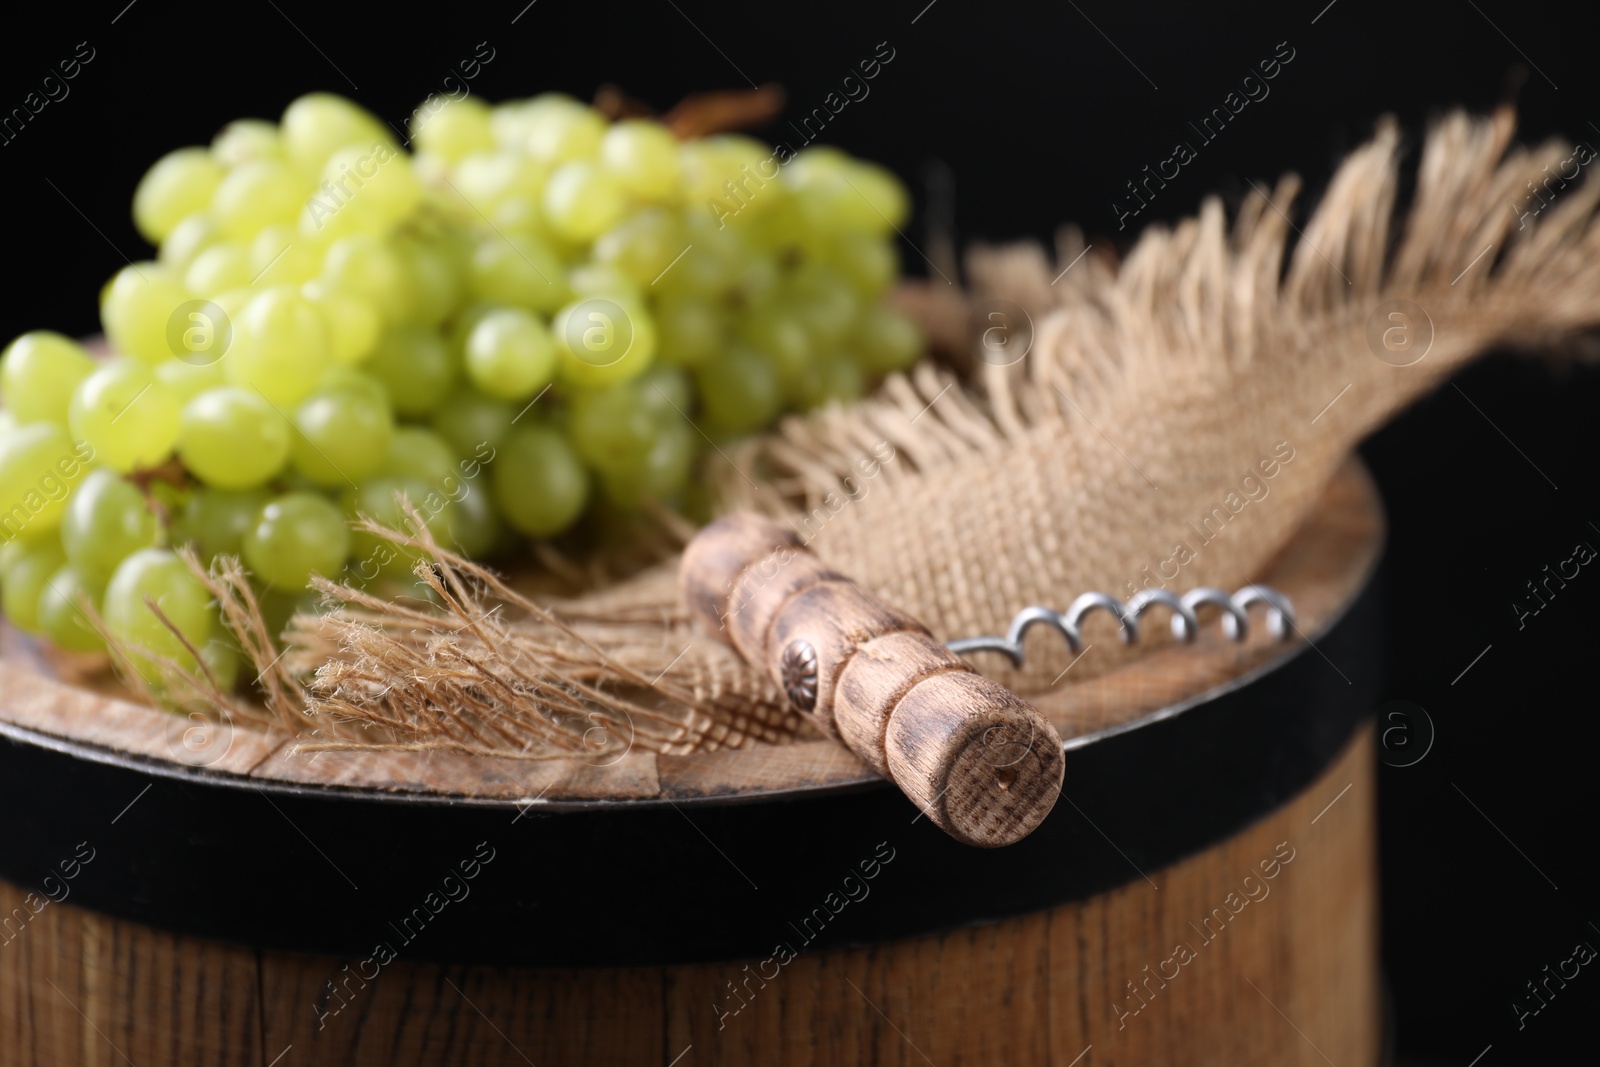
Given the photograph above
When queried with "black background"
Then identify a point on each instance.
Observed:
(1041, 118)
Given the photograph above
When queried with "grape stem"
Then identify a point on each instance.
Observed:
(699, 114)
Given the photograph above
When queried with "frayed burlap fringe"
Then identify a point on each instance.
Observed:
(1113, 457)
(491, 671)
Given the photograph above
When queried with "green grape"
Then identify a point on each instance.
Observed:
(368, 267)
(490, 181)
(643, 156)
(667, 391)
(559, 131)
(461, 325)
(222, 659)
(692, 330)
(603, 279)
(713, 266)
(456, 510)
(885, 197)
(280, 347)
(233, 438)
(471, 523)
(177, 185)
(216, 520)
(739, 390)
(824, 301)
(317, 125)
(644, 246)
(848, 194)
(526, 245)
(107, 520)
(611, 429)
(354, 325)
(245, 140)
(168, 498)
(365, 188)
(279, 607)
(421, 454)
(61, 615)
(469, 420)
(414, 366)
(699, 274)
(659, 473)
(159, 576)
(188, 380)
(581, 201)
(126, 415)
(342, 435)
(256, 195)
(233, 303)
(436, 279)
(701, 172)
(136, 308)
(835, 377)
(221, 267)
(354, 379)
(539, 485)
(886, 340)
(508, 121)
(602, 342)
(39, 465)
(188, 239)
(23, 580)
(38, 373)
(791, 231)
(758, 282)
(513, 121)
(815, 164)
(782, 340)
(171, 503)
(202, 331)
(510, 354)
(281, 255)
(13, 548)
(713, 164)
(295, 536)
(868, 263)
(516, 269)
(452, 129)
(379, 499)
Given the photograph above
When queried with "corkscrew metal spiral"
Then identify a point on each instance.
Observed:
(1185, 626)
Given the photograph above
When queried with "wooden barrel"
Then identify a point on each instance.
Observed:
(1203, 893)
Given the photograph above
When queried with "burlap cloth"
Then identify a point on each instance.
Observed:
(1155, 397)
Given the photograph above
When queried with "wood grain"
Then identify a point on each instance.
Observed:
(1289, 980)
(80, 988)
(1042, 988)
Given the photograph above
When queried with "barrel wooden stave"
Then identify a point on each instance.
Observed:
(1036, 989)
(80, 987)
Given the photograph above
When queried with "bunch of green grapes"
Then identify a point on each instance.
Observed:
(536, 316)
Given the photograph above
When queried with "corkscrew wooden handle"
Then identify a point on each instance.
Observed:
(981, 762)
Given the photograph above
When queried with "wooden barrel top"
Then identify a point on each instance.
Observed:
(1321, 570)
(699, 857)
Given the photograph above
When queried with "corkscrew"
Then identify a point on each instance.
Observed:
(981, 762)
(1185, 624)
